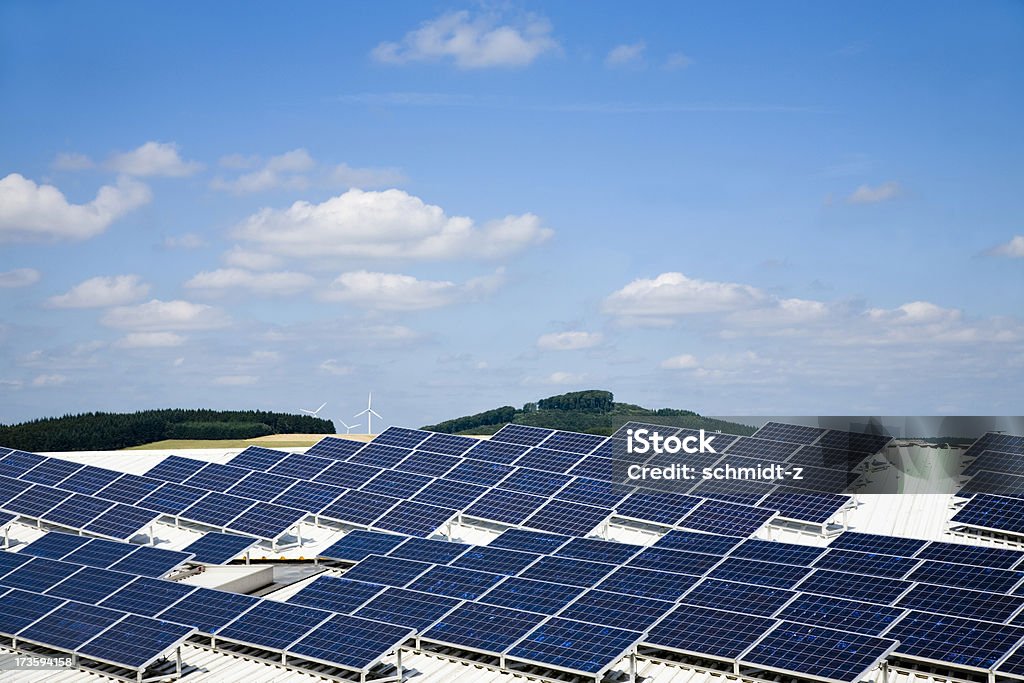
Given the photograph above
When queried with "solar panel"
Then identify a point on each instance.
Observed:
(402, 437)
(707, 632)
(496, 451)
(568, 518)
(727, 518)
(549, 460)
(351, 642)
(411, 609)
(534, 481)
(505, 506)
(309, 496)
(273, 625)
(37, 501)
(595, 467)
(100, 553)
(529, 595)
(428, 464)
(11, 561)
(300, 466)
(207, 609)
(739, 597)
(497, 560)
(78, 510)
(994, 461)
(51, 471)
(17, 463)
(963, 642)
(148, 561)
(1006, 443)
(817, 456)
(780, 431)
(997, 513)
(875, 543)
(617, 610)
(961, 553)
(261, 486)
(121, 521)
(54, 545)
(594, 492)
(266, 520)
(451, 444)
(147, 596)
(171, 498)
(396, 484)
(336, 595)
(91, 585)
(762, 449)
(522, 434)
(574, 646)
(960, 602)
(848, 615)
(338, 449)
(1012, 665)
(358, 545)
(70, 625)
(679, 561)
(855, 443)
(996, 483)
(9, 488)
(710, 544)
(597, 550)
(759, 573)
(820, 652)
(455, 582)
(776, 551)
(454, 494)
(217, 509)
(479, 472)
(387, 571)
(217, 477)
(21, 608)
(867, 563)
(871, 589)
(218, 548)
(653, 506)
(415, 519)
(379, 455)
(6, 518)
(135, 641)
(567, 570)
(258, 458)
(347, 474)
(38, 575)
(89, 479)
(817, 508)
(529, 541)
(963, 576)
(175, 468)
(128, 489)
(574, 442)
(435, 552)
(483, 627)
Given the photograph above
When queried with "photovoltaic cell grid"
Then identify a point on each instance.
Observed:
(707, 632)
(994, 441)
(762, 449)
(339, 449)
(575, 646)
(487, 628)
(871, 589)
(351, 642)
(529, 595)
(963, 642)
(876, 543)
(780, 431)
(726, 518)
(648, 583)
(997, 513)
(273, 625)
(568, 518)
(408, 608)
(617, 610)
(848, 615)
(960, 602)
(962, 553)
(523, 435)
(816, 651)
(873, 564)
(744, 598)
(996, 461)
(336, 594)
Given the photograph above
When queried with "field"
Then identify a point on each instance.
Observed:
(272, 441)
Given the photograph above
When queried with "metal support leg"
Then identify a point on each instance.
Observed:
(399, 666)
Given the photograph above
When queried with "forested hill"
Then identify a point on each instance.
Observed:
(593, 412)
(111, 431)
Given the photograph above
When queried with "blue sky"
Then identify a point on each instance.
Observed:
(457, 206)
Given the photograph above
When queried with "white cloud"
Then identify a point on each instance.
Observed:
(674, 294)
(346, 176)
(154, 159)
(283, 170)
(99, 292)
(626, 54)
(1012, 249)
(235, 380)
(568, 341)
(250, 260)
(295, 161)
(189, 240)
(239, 161)
(471, 43)
(283, 282)
(166, 315)
(677, 61)
(865, 194)
(150, 340)
(19, 277)
(70, 161)
(562, 377)
(333, 367)
(41, 212)
(391, 291)
(389, 224)
(915, 313)
(51, 380)
(685, 361)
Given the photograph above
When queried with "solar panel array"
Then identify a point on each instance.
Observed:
(995, 487)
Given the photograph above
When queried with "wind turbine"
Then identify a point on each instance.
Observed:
(348, 427)
(369, 413)
(313, 413)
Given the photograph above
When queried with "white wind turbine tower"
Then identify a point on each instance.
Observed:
(314, 413)
(348, 427)
(369, 413)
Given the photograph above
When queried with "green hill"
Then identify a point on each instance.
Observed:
(592, 412)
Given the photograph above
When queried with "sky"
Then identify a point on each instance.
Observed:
(737, 208)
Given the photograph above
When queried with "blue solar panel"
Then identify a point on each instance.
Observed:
(39, 574)
(54, 545)
(855, 443)
(710, 544)
(454, 494)
(529, 541)
(598, 550)
(266, 520)
(37, 500)
(100, 553)
(6, 518)
(207, 609)
(534, 481)
(762, 449)
(548, 460)
(408, 608)
(1006, 443)
(309, 496)
(387, 571)
(522, 434)
(848, 615)
(358, 545)
(70, 625)
(574, 442)
(595, 467)
(505, 506)
(455, 582)
(1012, 665)
(89, 479)
(997, 513)
(483, 627)
(867, 563)
(617, 610)
(568, 518)
(121, 521)
(451, 444)
(347, 474)
(396, 484)
(654, 506)
(401, 437)
(961, 553)
(816, 651)
(963, 576)
(135, 641)
(775, 551)
(678, 561)
(258, 458)
(480, 472)
(871, 589)
(707, 632)
(995, 461)
(91, 585)
(542, 597)
(128, 489)
(175, 468)
(575, 646)
(351, 642)
(78, 510)
(759, 573)
(336, 595)
(171, 498)
(379, 455)
(147, 596)
(817, 508)
(960, 602)
(963, 642)
(217, 477)
(273, 625)
(147, 561)
(9, 488)
(17, 463)
(338, 449)
(742, 491)
(779, 431)
(496, 451)
(217, 548)
(594, 492)
(568, 571)
(415, 519)
(648, 583)
(875, 543)
(11, 561)
(435, 552)
(216, 509)
(51, 471)
(744, 598)
(497, 560)
(428, 464)
(726, 518)
(22, 608)
(300, 466)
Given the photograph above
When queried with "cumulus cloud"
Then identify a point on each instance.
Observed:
(389, 224)
(222, 279)
(569, 341)
(470, 43)
(154, 159)
(685, 361)
(626, 54)
(189, 240)
(70, 161)
(166, 315)
(674, 294)
(333, 367)
(1012, 249)
(250, 260)
(298, 170)
(31, 212)
(19, 277)
(100, 292)
(50, 380)
(865, 194)
(150, 340)
(561, 377)
(397, 292)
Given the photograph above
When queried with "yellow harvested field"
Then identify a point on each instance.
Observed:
(272, 441)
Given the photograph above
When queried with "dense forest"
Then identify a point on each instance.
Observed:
(593, 412)
(110, 431)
